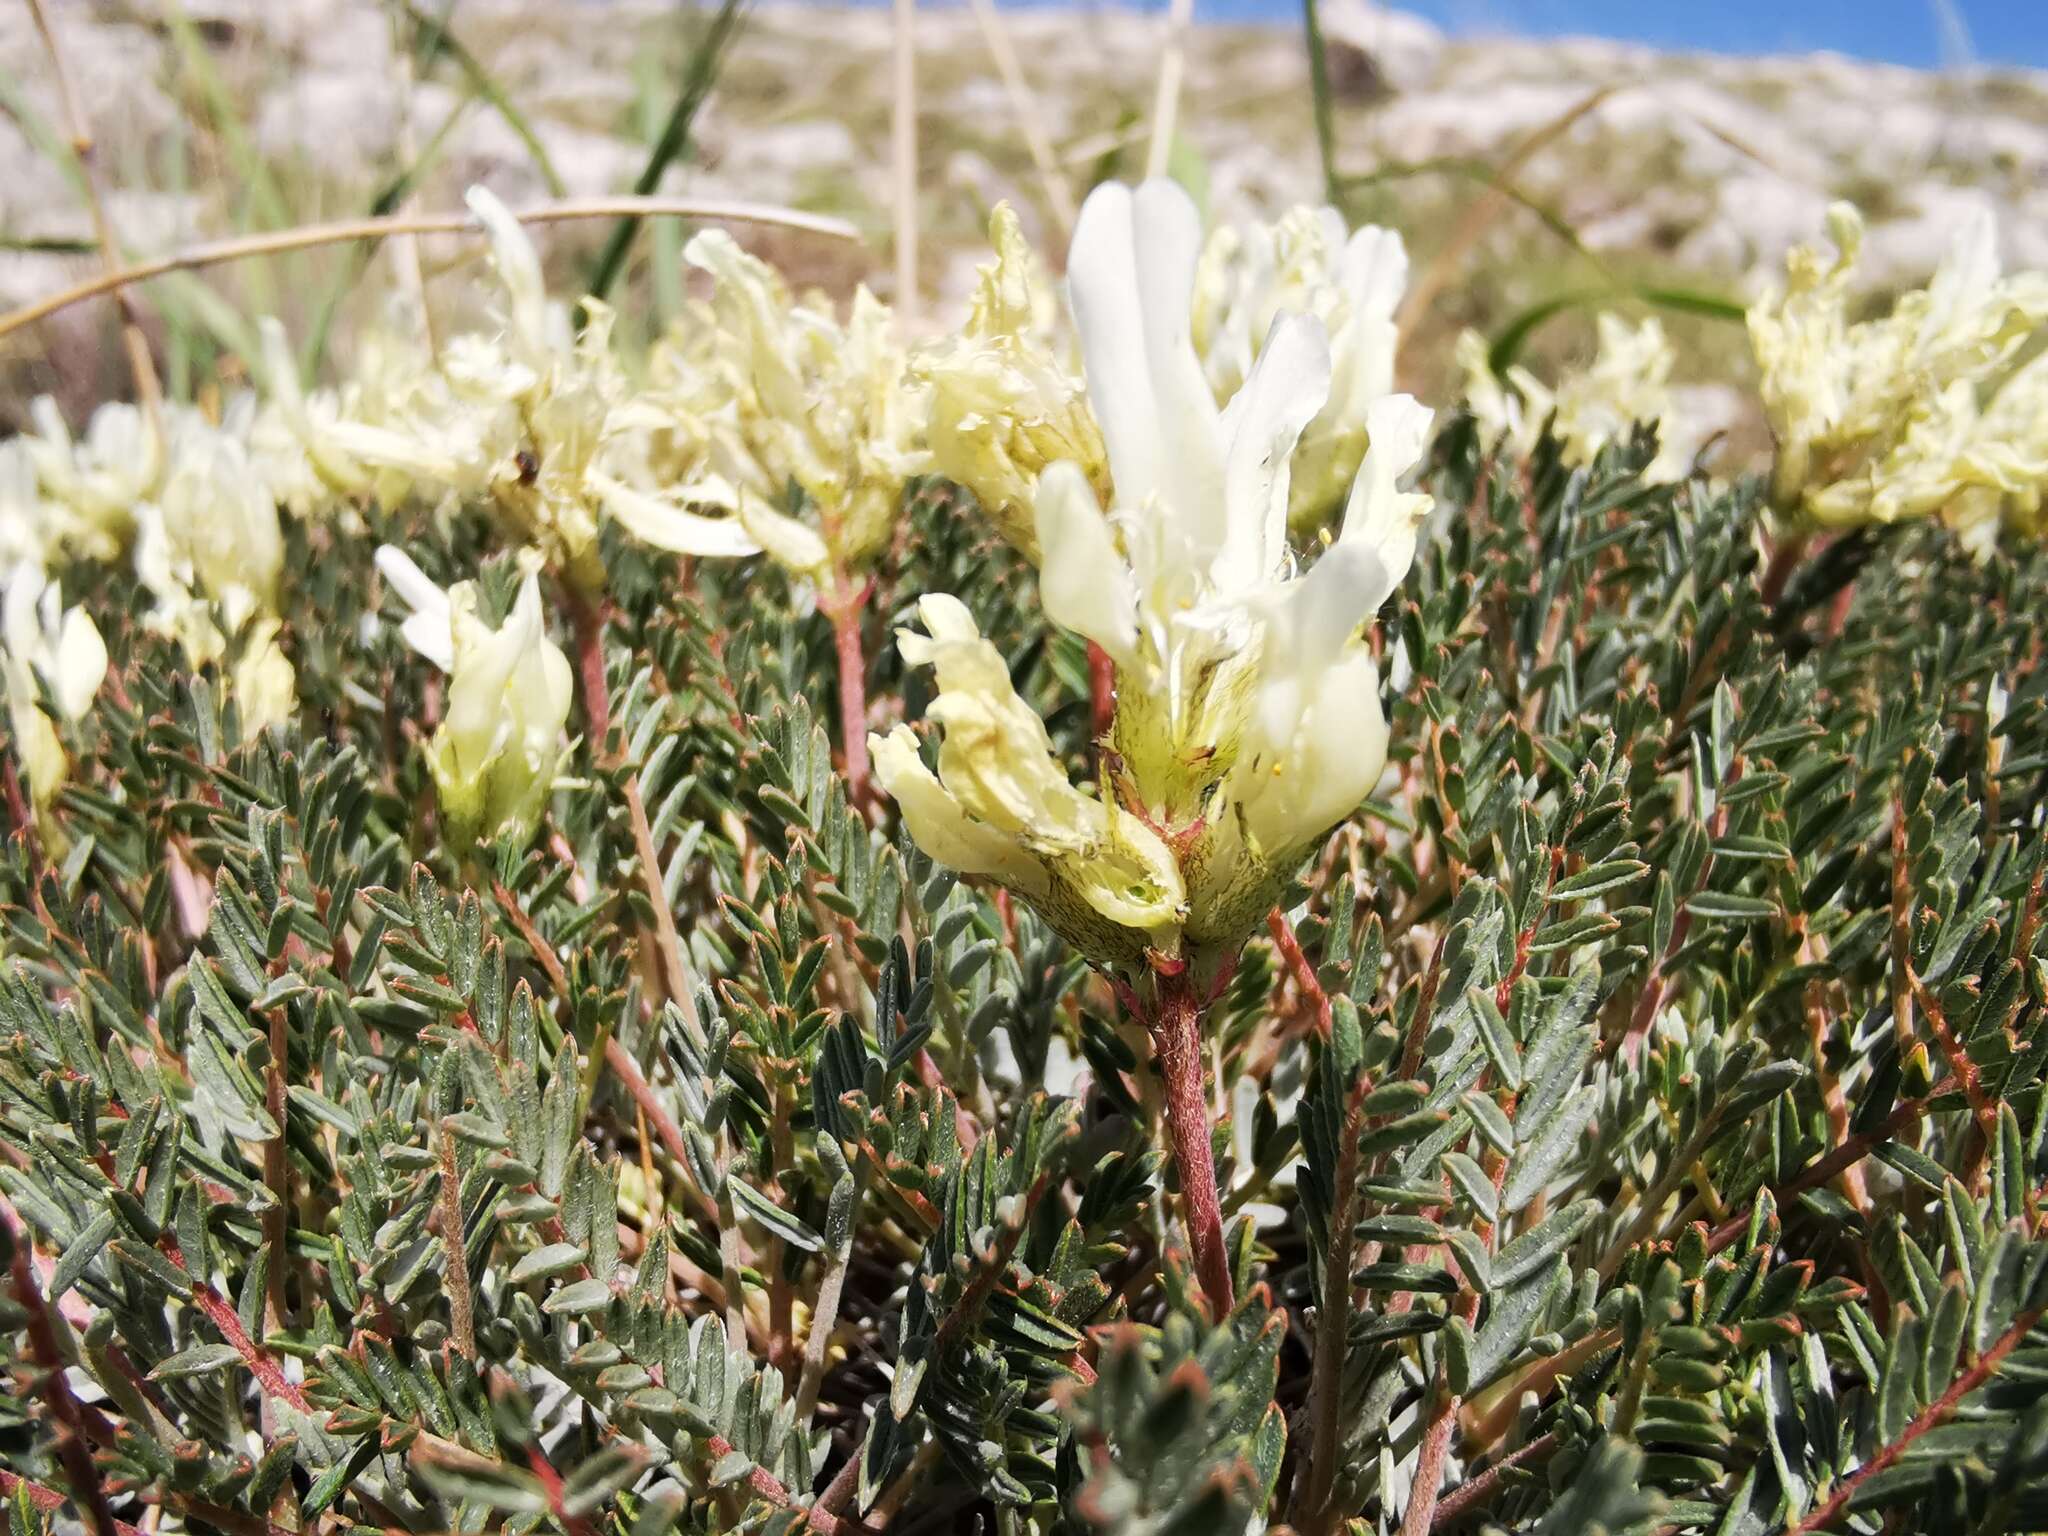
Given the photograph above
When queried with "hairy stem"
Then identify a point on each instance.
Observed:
(1930, 1417)
(1177, 1040)
(462, 1324)
(1101, 691)
(1333, 1315)
(845, 612)
(72, 1453)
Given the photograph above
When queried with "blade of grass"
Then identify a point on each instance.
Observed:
(48, 245)
(1481, 215)
(480, 81)
(148, 388)
(1692, 301)
(1513, 336)
(1319, 95)
(1507, 346)
(1059, 197)
(358, 255)
(702, 74)
(1166, 97)
(248, 168)
(1485, 175)
(666, 238)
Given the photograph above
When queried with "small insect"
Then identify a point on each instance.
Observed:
(529, 466)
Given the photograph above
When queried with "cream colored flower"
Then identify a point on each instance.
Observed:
(781, 393)
(100, 480)
(61, 647)
(1006, 809)
(210, 550)
(1247, 715)
(1628, 382)
(517, 416)
(495, 752)
(298, 438)
(31, 529)
(1002, 405)
(1305, 263)
(1911, 415)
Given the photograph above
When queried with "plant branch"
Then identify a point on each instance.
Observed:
(462, 1324)
(1932, 1416)
(86, 1489)
(307, 236)
(844, 610)
(1475, 1489)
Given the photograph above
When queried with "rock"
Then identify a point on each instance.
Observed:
(1375, 52)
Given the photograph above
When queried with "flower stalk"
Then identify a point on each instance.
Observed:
(844, 608)
(1175, 1024)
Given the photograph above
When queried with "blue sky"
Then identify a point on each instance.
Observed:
(1919, 32)
(1923, 32)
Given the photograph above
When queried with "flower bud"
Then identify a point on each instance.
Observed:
(494, 754)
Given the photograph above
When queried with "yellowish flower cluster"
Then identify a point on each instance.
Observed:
(1305, 263)
(1937, 409)
(1247, 719)
(1628, 382)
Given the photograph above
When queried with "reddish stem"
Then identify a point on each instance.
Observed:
(1784, 558)
(262, 1364)
(72, 1452)
(587, 618)
(1934, 1414)
(1101, 690)
(1177, 1041)
(1297, 962)
(845, 611)
(1476, 1489)
(50, 1500)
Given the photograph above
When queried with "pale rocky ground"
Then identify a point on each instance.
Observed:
(1696, 169)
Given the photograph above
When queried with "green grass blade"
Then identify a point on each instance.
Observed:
(1319, 95)
(356, 256)
(698, 79)
(480, 81)
(1508, 344)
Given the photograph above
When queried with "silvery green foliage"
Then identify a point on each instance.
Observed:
(1668, 1155)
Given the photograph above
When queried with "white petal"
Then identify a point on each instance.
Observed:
(1131, 274)
(518, 267)
(1374, 270)
(654, 520)
(428, 630)
(1316, 775)
(1288, 385)
(941, 826)
(1380, 517)
(793, 545)
(281, 373)
(1169, 247)
(1082, 579)
(81, 662)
